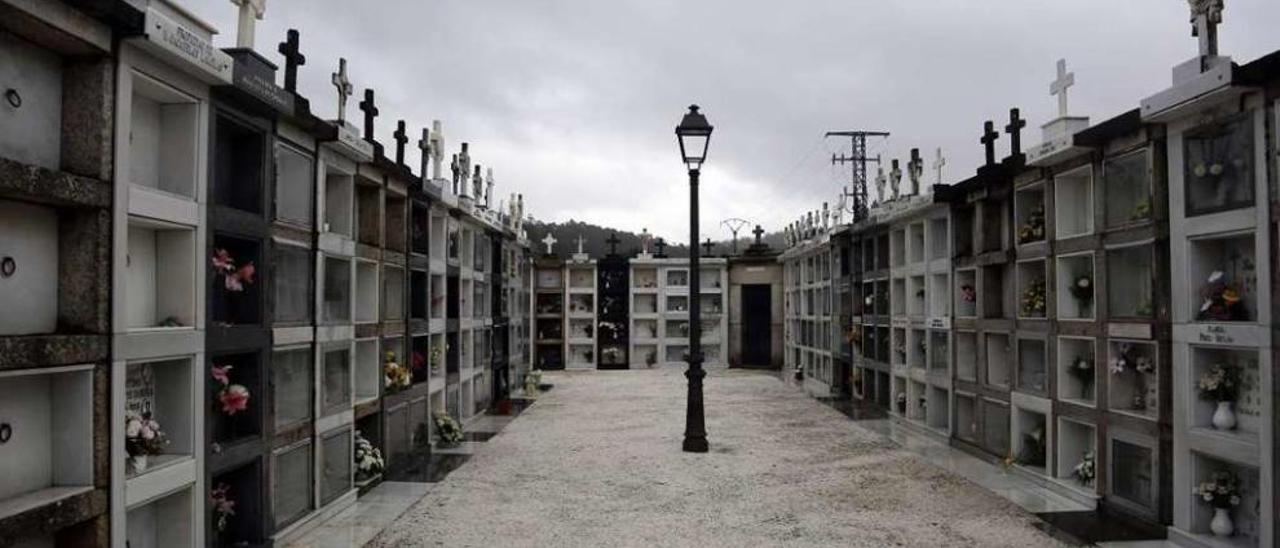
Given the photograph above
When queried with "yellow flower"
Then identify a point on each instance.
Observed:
(1230, 296)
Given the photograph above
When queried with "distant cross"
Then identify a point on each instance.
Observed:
(706, 247)
(1059, 86)
(580, 242)
(613, 242)
(251, 12)
(401, 138)
(292, 60)
(1014, 129)
(370, 112)
(915, 169)
(938, 163)
(1206, 15)
(437, 149)
(549, 241)
(488, 186)
(880, 180)
(758, 232)
(424, 145)
(345, 90)
(895, 178)
(989, 137)
(661, 244)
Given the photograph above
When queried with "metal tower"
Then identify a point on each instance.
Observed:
(857, 157)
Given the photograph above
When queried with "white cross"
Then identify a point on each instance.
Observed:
(549, 241)
(1205, 17)
(250, 12)
(424, 144)
(1059, 87)
(345, 90)
(580, 244)
(938, 162)
(437, 148)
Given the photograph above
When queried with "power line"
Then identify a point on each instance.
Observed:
(858, 158)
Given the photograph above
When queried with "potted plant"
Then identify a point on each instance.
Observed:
(1082, 369)
(1220, 386)
(142, 438)
(1085, 471)
(368, 459)
(1222, 492)
(448, 429)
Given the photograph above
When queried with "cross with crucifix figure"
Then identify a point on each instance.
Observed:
(251, 12)
(292, 60)
(345, 89)
(938, 163)
(1206, 15)
(370, 112)
(424, 145)
(549, 241)
(759, 232)
(437, 149)
(613, 242)
(895, 179)
(1014, 129)
(1059, 86)
(989, 137)
(915, 169)
(706, 248)
(401, 138)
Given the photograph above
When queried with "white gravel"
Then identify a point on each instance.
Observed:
(597, 462)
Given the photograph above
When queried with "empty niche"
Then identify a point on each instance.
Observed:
(291, 483)
(1128, 189)
(1130, 282)
(366, 291)
(164, 133)
(160, 275)
(35, 405)
(1073, 203)
(29, 268)
(239, 158)
(292, 387)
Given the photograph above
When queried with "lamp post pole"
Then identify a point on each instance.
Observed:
(695, 430)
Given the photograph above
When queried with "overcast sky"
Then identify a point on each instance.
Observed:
(574, 102)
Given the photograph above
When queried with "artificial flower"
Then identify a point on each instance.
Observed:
(234, 399)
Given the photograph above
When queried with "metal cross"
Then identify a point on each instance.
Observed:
(345, 90)
(424, 145)
(988, 140)
(1014, 129)
(401, 139)
(661, 244)
(706, 246)
(292, 60)
(938, 163)
(613, 242)
(758, 232)
(370, 112)
(1059, 86)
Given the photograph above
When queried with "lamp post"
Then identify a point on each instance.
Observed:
(694, 135)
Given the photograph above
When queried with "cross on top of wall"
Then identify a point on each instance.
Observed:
(1060, 85)
(293, 58)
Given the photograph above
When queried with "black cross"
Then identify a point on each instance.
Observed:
(613, 242)
(706, 247)
(370, 112)
(661, 244)
(401, 138)
(989, 137)
(292, 60)
(1014, 129)
(758, 232)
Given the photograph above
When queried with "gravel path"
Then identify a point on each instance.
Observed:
(597, 462)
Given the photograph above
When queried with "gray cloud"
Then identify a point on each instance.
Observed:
(574, 102)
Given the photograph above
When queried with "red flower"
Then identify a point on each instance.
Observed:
(418, 361)
(234, 398)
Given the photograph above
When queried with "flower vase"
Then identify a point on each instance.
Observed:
(1221, 524)
(138, 464)
(1224, 418)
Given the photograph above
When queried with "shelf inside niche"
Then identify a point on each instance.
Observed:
(50, 415)
(160, 275)
(163, 390)
(998, 356)
(1079, 386)
(239, 159)
(1250, 396)
(164, 133)
(1076, 287)
(1075, 440)
(162, 522)
(1130, 282)
(1073, 203)
(366, 292)
(966, 293)
(1247, 520)
(966, 356)
(1220, 266)
(30, 237)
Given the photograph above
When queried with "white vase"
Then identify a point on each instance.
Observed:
(1221, 524)
(138, 464)
(1224, 418)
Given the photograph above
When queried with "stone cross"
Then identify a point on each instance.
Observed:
(915, 168)
(401, 138)
(880, 180)
(292, 60)
(895, 178)
(370, 112)
(989, 137)
(477, 183)
(1014, 129)
(938, 163)
(437, 149)
(613, 242)
(1059, 86)
(520, 210)
(758, 232)
(453, 166)
(580, 242)
(424, 145)
(1206, 15)
(251, 12)
(345, 90)
(706, 248)
(549, 241)
(488, 186)
(826, 216)
(464, 168)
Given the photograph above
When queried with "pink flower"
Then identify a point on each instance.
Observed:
(232, 283)
(223, 261)
(234, 398)
(245, 274)
(220, 374)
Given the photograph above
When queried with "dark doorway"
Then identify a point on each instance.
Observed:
(757, 324)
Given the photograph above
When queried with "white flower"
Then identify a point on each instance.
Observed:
(1216, 276)
(1208, 497)
(132, 428)
(1215, 169)
(1199, 170)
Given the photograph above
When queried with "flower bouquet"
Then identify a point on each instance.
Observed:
(223, 505)
(1222, 300)
(1082, 369)
(368, 460)
(968, 294)
(142, 438)
(448, 429)
(437, 357)
(232, 398)
(1220, 385)
(1222, 492)
(1034, 302)
(1085, 470)
(1082, 289)
(233, 279)
(1033, 228)
(1128, 358)
(398, 376)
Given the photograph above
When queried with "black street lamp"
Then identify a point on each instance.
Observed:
(694, 134)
